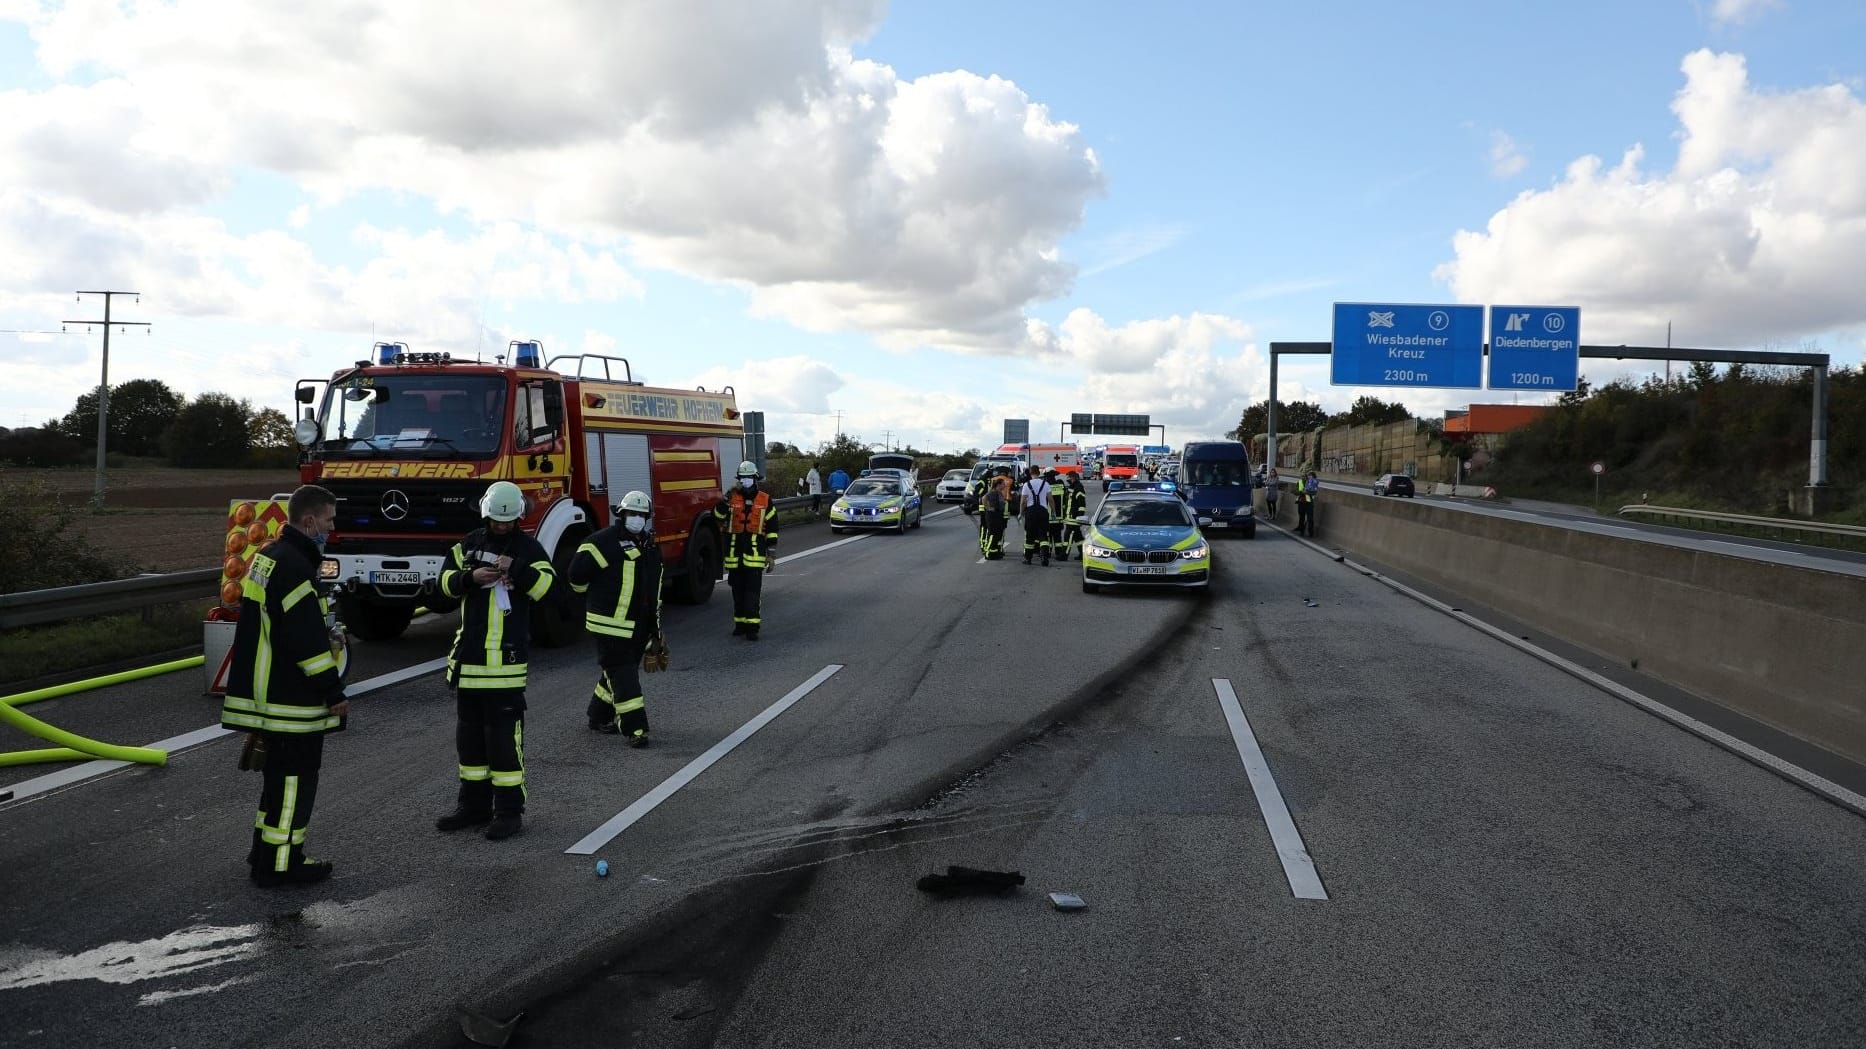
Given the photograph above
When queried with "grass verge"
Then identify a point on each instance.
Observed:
(33, 653)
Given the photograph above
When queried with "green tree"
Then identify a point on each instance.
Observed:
(212, 430)
(777, 448)
(141, 411)
(1291, 417)
(270, 428)
(1369, 410)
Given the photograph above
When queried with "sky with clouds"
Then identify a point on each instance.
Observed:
(912, 220)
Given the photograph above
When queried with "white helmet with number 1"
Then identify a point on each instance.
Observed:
(502, 502)
(748, 469)
(635, 503)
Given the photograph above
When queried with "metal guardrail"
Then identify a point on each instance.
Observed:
(1744, 520)
(37, 607)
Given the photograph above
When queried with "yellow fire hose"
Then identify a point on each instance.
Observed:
(73, 747)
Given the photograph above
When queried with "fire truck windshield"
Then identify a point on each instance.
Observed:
(424, 414)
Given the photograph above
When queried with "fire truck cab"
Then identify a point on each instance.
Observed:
(408, 442)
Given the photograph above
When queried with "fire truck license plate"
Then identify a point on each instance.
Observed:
(1149, 570)
(394, 578)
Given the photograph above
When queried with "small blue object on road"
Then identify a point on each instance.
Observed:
(602, 868)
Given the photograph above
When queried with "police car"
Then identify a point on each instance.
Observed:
(877, 500)
(1143, 535)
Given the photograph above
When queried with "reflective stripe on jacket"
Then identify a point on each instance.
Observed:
(751, 529)
(621, 583)
(492, 646)
(281, 674)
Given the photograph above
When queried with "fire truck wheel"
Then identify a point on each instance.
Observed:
(372, 622)
(702, 568)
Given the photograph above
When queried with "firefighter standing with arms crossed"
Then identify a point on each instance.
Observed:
(498, 572)
(751, 533)
(618, 570)
(283, 687)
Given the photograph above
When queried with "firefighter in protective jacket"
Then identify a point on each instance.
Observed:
(618, 570)
(751, 533)
(284, 687)
(498, 572)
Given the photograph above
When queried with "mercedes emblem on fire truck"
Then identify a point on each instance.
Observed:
(395, 504)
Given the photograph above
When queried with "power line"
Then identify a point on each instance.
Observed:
(103, 384)
(22, 331)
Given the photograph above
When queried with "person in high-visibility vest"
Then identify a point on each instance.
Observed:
(750, 525)
(996, 511)
(1072, 504)
(1306, 492)
(283, 686)
(618, 570)
(497, 572)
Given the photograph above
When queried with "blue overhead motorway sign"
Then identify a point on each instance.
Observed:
(1405, 344)
(1535, 347)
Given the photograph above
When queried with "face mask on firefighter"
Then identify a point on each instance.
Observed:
(635, 525)
(748, 483)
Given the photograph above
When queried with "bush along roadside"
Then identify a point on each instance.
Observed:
(32, 655)
(43, 550)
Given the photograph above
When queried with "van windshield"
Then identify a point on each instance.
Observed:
(1118, 459)
(1219, 472)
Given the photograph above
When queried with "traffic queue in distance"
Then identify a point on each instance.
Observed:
(1145, 531)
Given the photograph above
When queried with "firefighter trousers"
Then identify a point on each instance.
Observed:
(291, 772)
(747, 584)
(994, 536)
(1037, 532)
(618, 699)
(1060, 531)
(489, 737)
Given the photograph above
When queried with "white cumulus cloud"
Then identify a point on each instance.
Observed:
(1757, 233)
(1736, 12)
(741, 144)
(1506, 157)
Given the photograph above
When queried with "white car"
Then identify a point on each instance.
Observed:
(951, 488)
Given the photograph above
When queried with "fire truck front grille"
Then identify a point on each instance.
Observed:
(413, 508)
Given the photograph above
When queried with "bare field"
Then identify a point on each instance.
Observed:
(158, 540)
(159, 518)
(158, 486)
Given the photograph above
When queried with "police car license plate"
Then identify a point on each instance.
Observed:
(1149, 570)
(395, 578)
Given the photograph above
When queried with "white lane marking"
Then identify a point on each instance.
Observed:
(1811, 781)
(175, 744)
(1298, 867)
(621, 821)
(788, 558)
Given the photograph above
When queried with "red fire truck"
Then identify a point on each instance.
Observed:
(408, 442)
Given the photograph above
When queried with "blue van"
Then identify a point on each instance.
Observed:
(1214, 478)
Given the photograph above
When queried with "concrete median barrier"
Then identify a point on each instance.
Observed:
(1781, 644)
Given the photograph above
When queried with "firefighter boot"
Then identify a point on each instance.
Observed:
(504, 825)
(472, 810)
(310, 872)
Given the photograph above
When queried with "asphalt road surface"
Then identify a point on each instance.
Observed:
(1478, 850)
